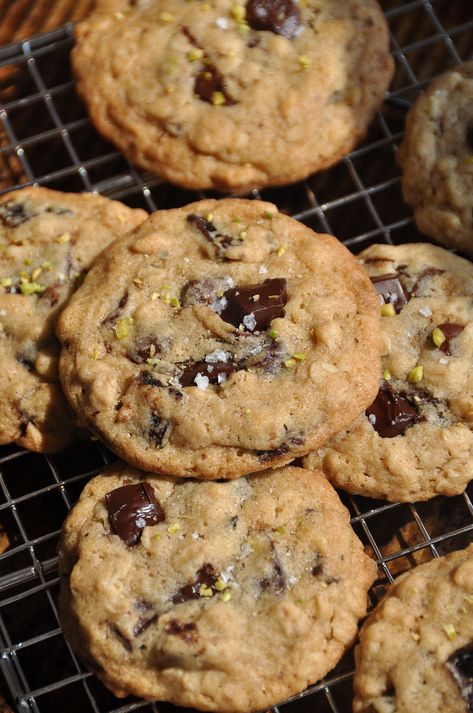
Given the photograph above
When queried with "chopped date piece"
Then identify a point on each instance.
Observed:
(206, 576)
(255, 306)
(130, 509)
(391, 413)
(210, 370)
(449, 330)
(390, 290)
(460, 665)
(279, 16)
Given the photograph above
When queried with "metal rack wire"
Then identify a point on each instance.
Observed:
(46, 137)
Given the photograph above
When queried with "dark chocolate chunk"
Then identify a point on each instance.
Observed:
(279, 16)
(146, 378)
(469, 136)
(422, 276)
(460, 665)
(143, 623)
(199, 291)
(146, 347)
(450, 330)
(265, 456)
(211, 371)
(159, 429)
(124, 640)
(130, 509)
(13, 214)
(206, 575)
(271, 297)
(278, 581)
(113, 316)
(211, 233)
(390, 290)
(186, 630)
(208, 81)
(391, 413)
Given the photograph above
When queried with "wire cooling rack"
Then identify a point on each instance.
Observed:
(46, 137)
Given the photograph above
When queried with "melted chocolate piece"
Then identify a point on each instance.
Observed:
(52, 294)
(130, 508)
(158, 430)
(13, 214)
(391, 413)
(141, 349)
(206, 575)
(186, 630)
(208, 81)
(390, 290)
(278, 580)
(428, 272)
(460, 665)
(469, 136)
(113, 316)
(211, 371)
(211, 233)
(143, 623)
(279, 16)
(265, 456)
(450, 330)
(124, 640)
(270, 302)
(147, 379)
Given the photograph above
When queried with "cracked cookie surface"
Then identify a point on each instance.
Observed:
(416, 440)
(48, 240)
(225, 596)
(218, 94)
(437, 159)
(416, 648)
(220, 339)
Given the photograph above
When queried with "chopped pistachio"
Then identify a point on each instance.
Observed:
(281, 529)
(415, 636)
(268, 215)
(236, 219)
(46, 265)
(304, 61)
(155, 296)
(27, 261)
(30, 288)
(175, 302)
(64, 238)
(238, 12)
(301, 602)
(416, 374)
(95, 353)
(36, 273)
(299, 356)
(388, 310)
(450, 631)
(174, 528)
(386, 374)
(209, 217)
(289, 363)
(218, 99)
(273, 333)
(169, 89)
(122, 327)
(195, 54)
(166, 17)
(226, 596)
(153, 361)
(438, 337)
(281, 250)
(6, 282)
(157, 536)
(220, 585)
(243, 234)
(205, 591)
(3, 247)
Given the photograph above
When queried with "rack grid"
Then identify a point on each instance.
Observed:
(46, 138)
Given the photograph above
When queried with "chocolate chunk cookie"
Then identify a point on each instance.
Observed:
(416, 439)
(226, 596)
(220, 339)
(416, 648)
(437, 158)
(233, 94)
(48, 240)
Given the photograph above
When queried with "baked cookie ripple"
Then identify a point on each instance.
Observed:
(233, 95)
(230, 596)
(48, 241)
(220, 339)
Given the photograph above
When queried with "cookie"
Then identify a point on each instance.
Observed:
(416, 439)
(437, 159)
(416, 648)
(219, 94)
(225, 596)
(220, 339)
(48, 240)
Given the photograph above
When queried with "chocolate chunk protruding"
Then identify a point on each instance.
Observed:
(390, 290)
(391, 414)
(460, 665)
(208, 82)
(211, 371)
(450, 330)
(279, 16)
(206, 576)
(130, 509)
(255, 306)
(14, 214)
